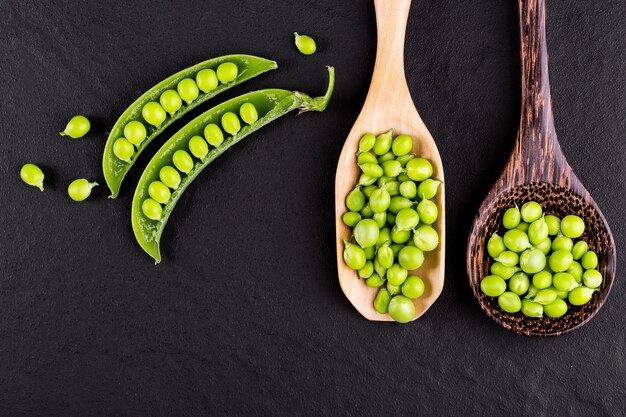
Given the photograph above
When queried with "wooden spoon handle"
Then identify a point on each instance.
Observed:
(391, 19)
(537, 155)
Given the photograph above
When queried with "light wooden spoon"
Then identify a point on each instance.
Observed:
(537, 170)
(388, 105)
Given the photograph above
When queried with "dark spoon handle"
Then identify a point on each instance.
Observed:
(537, 155)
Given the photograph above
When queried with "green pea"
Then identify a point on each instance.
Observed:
(560, 260)
(538, 231)
(375, 281)
(170, 101)
(367, 191)
(392, 187)
(353, 256)
(400, 236)
(592, 278)
(511, 218)
(393, 289)
(562, 243)
(554, 224)
(580, 295)
(80, 189)
(502, 270)
(531, 211)
(532, 309)
(508, 258)
(385, 256)
(182, 161)
(383, 180)
(428, 188)
(135, 132)
(391, 219)
(351, 218)
(403, 177)
(589, 260)
(391, 168)
(579, 249)
(384, 236)
(207, 80)
(563, 281)
(380, 219)
(493, 285)
(427, 211)
(425, 238)
(396, 248)
(545, 246)
(381, 302)
(305, 44)
(380, 270)
(495, 245)
(366, 233)
(404, 159)
(213, 134)
(153, 113)
(532, 261)
(366, 158)
(402, 145)
(379, 200)
(407, 219)
(408, 189)
(383, 143)
(32, 175)
(123, 149)
(398, 203)
(389, 156)
(77, 127)
(576, 270)
(572, 226)
(532, 291)
(151, 209)
(410, 258)
(198, 147)
(366, 143)
(366, 180)
(355, 200)
(542, 280)
(396, 274)
(369, 253)
(373, 170)
(516, 240)
(555, 309)
(413, 287)
(248, 113)
(419, 169)
(510, 302)
(227, 72)
(188, 90)
(170, 177)
(545, 297)
(401, 309)
(230, 123)
(366, 212)
(159, 192)
(519, 283)
(560, 294)
(367, 270)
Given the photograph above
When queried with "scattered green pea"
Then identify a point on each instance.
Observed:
(305, 44)
(80, 189)
(77, 127)
(32, 175)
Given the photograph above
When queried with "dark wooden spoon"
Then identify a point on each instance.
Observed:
(537, 170)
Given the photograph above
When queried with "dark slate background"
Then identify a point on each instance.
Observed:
(245, 315)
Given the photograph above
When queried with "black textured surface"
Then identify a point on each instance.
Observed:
(245, 315)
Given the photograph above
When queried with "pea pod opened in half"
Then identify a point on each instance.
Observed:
(199, 143)
(168, 101)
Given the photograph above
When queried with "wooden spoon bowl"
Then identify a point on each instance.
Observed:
(388, 106)
(537, 170)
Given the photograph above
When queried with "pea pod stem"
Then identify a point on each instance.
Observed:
(270, 104)
(115, 169)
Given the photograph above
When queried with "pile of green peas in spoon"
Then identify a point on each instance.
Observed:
(540, 264)
(171, 101)
(391, 214)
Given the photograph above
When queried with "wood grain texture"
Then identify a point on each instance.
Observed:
(538, 170)
(388, 105)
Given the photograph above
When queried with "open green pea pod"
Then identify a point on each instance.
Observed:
(168, 101)
(172, 168)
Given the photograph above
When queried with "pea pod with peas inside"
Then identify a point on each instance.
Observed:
(166, 102)
(184, 156)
